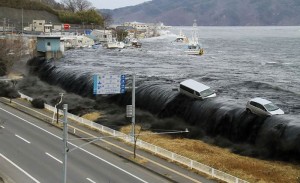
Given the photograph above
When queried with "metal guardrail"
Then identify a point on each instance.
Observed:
(150, 147)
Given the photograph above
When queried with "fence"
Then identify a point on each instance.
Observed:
(150, 147)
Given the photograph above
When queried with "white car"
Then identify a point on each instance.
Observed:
(262, 107)
(195, 89)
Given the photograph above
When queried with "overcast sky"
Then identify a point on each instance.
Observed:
(112, 4)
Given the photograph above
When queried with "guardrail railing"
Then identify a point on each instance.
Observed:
(150, 147)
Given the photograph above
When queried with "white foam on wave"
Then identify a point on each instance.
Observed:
(271, 63)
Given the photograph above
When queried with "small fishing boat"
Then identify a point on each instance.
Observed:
(194, 47)
(115, 45)
(96, 46)
(181, 37)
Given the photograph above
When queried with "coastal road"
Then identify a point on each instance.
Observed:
(32, 152)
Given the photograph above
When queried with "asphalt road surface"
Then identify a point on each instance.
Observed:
(32, 151)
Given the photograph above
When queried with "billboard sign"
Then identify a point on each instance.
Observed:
(67, 26)
(109, 84)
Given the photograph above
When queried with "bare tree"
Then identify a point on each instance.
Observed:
(11, 51)
(69, 4)
(77, 5)
(107, 19)
(82, 5)
(49, 2)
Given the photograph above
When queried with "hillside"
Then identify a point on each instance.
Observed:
(15, 16)
(213, 12)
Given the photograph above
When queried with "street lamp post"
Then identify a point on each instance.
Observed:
(56, 109)
(66, 150)
(65, 142)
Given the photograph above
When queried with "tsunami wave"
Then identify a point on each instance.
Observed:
(224, 121)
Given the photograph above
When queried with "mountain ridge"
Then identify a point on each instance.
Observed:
(212, 12)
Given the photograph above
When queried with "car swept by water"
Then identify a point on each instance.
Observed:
(195, 89)
(262, 107)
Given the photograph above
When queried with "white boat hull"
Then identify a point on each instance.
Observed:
(194, 52)
(115, 45)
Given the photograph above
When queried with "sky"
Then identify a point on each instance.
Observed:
(113, 4)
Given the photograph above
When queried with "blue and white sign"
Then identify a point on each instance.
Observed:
(109, 84)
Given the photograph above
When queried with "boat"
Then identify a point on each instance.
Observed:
(136, 44)
(114, 44)
(96, 45)
(181, 37)
(195, 50)
(194, 47)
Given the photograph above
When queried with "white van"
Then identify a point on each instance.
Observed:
(262, 107)
(195, 89)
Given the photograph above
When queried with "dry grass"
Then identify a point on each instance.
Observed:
(92, 116)
(138, 160)
(250, 169)
(14, 76)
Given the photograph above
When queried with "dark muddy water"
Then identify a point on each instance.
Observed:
(239, 63)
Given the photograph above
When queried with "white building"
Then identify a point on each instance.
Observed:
(76, 41)
(102, 35)
(38, 25)
(137, 25)
(48, 28)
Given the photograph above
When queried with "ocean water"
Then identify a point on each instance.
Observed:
(239, 62)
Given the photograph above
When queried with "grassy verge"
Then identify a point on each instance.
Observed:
(250, 169)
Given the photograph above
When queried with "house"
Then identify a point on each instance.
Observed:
(129, 29)
(137, 25)
(38, 25)
(48, 28)
(142, 30)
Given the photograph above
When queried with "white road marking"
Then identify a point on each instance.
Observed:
(22, 138)
(1, 126)
(112, 144)
(54, 158)
(15, 165)
(97, 157)
(90, 180)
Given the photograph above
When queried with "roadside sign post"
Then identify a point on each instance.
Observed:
(133, 108)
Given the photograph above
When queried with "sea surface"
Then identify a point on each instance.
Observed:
(238, 62)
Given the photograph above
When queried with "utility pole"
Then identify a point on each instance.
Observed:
(92, 26)
(4, 24)
(7, 26)
(22, 21)
(65, 142)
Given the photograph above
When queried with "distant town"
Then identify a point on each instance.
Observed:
(66, 36)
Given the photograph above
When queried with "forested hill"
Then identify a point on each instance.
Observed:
(213, 12)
